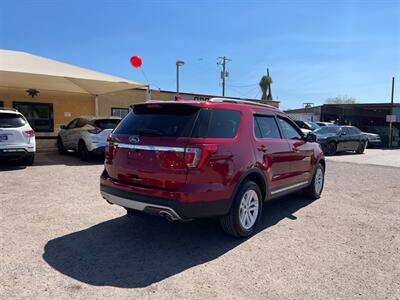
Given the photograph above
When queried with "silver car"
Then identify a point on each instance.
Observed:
(86, 135)
(17, 138)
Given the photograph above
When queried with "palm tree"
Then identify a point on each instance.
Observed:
(265, 85)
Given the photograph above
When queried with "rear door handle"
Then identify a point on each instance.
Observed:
(262, 148)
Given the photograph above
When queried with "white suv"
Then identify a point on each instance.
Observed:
(86, 135)
(17, 138)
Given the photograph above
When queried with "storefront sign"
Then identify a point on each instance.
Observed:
(390, 118)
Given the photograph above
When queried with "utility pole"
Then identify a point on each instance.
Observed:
(224, 73)
(391, 113)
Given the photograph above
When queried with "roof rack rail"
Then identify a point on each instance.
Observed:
(239, 101)
(8, 108)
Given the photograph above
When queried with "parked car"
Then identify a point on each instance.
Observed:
(306, 126)
(86, 135)
(374, 140)
(217, 158)
(322, 124)
(17, 138)
(335, 139)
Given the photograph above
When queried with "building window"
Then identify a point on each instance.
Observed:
(119, 112)
(39, 115)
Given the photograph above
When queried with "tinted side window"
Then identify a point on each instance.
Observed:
(217, 123)
(288, 130)
(267, 127)
(346, 130)
(72, 124)
(81, 123)
(354, 131)
(223, 123)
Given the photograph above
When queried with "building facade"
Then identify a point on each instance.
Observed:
(368, 117)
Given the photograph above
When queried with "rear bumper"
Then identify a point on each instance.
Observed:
(374, 142)
(158, 205)
(98, 151)
(14, 153)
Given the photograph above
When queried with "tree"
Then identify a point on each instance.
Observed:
(340, 100)
(265, 85)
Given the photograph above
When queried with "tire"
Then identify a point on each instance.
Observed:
(83, 152)
(361, 147)
(314, 190)
(60, 146)
(237, 226)
(29, 159)
(330, 149)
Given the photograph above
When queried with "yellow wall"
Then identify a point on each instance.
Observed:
(63, 103)
(121, 99)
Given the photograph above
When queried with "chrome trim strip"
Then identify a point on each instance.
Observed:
(138, 205)
(289, 187)
(148, 147)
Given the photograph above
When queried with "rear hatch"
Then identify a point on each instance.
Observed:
(10, 130)
(103, 128)
(148, 147)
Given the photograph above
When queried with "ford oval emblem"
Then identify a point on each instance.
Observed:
(134, 139)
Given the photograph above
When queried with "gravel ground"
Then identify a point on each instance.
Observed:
(60, 240)
(382, 157)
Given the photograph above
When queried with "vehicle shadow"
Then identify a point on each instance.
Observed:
(137, 252)
(11, 165)
(69, 159)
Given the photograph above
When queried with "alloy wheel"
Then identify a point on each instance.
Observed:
(248, 209)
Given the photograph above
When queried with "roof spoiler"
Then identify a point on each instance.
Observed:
(9, 108)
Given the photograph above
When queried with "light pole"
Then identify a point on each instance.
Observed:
(178, 64)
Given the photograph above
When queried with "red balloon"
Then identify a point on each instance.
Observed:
(136, 61)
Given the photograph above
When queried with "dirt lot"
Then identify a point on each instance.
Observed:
(60, 240)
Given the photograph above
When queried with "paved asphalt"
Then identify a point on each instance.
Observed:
(60, 240)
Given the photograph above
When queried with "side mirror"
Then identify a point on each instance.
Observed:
(63, 127)
(311, 137)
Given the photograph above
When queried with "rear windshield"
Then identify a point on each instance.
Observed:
(327, 129)
(8, 120)
(171, 120)
(107, 123)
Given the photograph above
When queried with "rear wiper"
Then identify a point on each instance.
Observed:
(149, 131)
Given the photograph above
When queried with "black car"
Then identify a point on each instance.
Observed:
(341, 138)
(373, 139)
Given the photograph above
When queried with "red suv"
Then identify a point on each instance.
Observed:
(223, 157)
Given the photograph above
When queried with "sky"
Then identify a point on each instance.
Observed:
(313, 49)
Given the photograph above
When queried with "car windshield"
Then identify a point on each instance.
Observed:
(8, 120)
(107, 123)
(312, 125)
(327, 129)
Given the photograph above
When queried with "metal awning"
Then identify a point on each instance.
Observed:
(24, 70)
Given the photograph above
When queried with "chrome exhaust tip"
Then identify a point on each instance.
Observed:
(168, 215)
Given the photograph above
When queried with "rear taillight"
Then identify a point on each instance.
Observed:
(196, 155)
(95, 130)
(29, 133)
